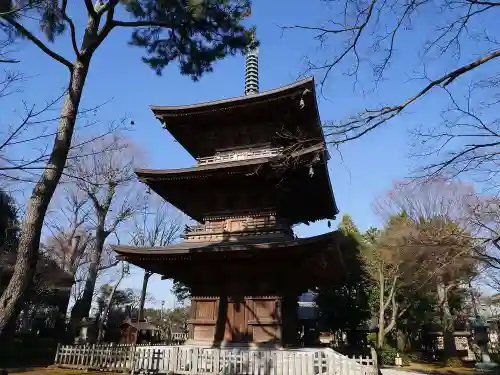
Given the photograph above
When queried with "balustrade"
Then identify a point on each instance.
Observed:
(246, 225)
(240, 155)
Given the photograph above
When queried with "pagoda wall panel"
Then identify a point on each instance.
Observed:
(206, 310)
(250, 320)
(265, 333)
(204, 333)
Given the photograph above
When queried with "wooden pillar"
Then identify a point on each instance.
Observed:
(290, 321)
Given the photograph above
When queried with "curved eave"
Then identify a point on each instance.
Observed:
(177, 186)
(212, 248)
(264, 96)
(197, 127)
(145, 174)
(200, 169)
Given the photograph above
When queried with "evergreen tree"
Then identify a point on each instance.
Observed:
(193, 33)
(343, 306)
(8, 222)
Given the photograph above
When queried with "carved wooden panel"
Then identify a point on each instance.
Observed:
(204, 333)
(206, 310)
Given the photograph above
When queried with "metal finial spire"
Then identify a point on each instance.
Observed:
(252, 68)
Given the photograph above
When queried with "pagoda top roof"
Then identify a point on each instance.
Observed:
(199, 128)
(264, 96)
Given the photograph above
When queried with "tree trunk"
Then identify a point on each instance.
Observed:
(402, 340)
(145, 280)
(60, 326)
(381, 312)
(450, 349)
(29, 239)
(83, 304)
(104, 315)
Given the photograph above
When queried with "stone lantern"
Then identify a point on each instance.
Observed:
(480, 328)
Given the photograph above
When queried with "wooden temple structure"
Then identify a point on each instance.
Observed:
(261, 169)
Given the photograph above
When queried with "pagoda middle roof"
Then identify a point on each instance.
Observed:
(178, 172)
(198, 127)
(299, 197)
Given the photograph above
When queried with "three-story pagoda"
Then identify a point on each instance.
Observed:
(261, 169)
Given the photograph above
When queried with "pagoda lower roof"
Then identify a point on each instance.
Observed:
(198, 127)
(312, 257)
(225, 248)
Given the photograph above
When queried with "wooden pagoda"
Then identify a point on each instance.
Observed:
(261, 168)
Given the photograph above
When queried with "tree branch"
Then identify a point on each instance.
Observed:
(372, 119)
(38, 42)
(90, 8)
(71, 27)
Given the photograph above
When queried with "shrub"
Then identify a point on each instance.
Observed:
(371, 338)
(453, 362)
(387, 355)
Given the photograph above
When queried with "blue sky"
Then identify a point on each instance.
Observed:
(360, 172)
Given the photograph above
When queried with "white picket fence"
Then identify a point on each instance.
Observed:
(212, 361)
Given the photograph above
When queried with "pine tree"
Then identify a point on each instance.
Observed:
(193, 33)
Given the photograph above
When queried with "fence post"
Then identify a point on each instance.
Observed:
(56, 359)
(92, 352)
(174, 360)
(374, 358)
(132, 360)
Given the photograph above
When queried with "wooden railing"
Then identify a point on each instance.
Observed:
(246, 225)
(211, 227)
(241, 155)
(197, 360)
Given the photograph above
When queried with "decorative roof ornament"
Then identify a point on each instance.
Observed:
(252, 67)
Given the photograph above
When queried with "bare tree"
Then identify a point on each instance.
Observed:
(194, 33)
(124, 271)
(156, 226)
(68, 243)
(374, 40)
(387, 261)
(24, 141)
(70, 240)
(104, 176)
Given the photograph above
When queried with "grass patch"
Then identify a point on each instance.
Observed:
(437, 368)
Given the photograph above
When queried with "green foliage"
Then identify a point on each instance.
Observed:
(344, 305)
(387, 355)
(8, 222)
(121, 297)
(207, 31)
(181, 291)
(194, 33)
(453, 362)
(371, 338)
